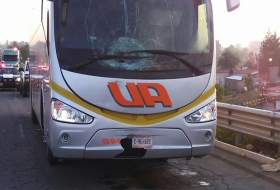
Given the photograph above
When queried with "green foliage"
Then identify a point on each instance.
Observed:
(229, 58)
(243, 54)
(24, 52)
(279, 68)
(277, 155)
(218, 49)
(226, 92)
(251, 61)
(269, 52)
(219, 93)
(247, 140)
(14, 45)
(260, 146)
(248, 79)
(242, 98)
(225, 136)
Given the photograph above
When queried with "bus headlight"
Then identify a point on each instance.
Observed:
(65, 113)
(207, 113)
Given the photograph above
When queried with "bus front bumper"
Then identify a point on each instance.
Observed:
(117, 144)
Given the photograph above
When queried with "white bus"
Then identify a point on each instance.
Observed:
(122, 79)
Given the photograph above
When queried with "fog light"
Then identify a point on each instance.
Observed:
(208, 136)
(65, 137)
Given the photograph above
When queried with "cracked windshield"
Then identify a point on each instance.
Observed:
(138, 35)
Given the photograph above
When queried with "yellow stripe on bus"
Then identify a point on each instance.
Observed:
(132, 119)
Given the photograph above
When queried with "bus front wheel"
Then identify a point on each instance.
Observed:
(33, 116)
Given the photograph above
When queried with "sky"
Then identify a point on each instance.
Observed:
(14, 15)
(250, 22)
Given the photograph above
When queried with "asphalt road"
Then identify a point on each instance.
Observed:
(23, 164)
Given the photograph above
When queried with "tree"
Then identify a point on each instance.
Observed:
(243, 55)
(219, 93)
(269, 53)
(279, 68)
(23, 48)
(24, 52)
(14, 45)
(248, 79)
(251, 62)
(218, 49)
(229, 58)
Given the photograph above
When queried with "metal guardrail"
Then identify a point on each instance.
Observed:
(260, 124)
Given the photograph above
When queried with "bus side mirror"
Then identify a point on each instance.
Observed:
(232, 5)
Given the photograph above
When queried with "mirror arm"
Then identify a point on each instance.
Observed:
(232, 5)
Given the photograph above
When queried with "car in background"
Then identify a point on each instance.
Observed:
(9, 77)
(24, 79)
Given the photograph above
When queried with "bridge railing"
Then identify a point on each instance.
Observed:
(260, 124)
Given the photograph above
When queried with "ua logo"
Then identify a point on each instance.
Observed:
(140, 95)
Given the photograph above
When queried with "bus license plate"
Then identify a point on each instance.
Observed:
(142, 142)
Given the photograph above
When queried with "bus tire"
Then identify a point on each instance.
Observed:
(20, 90)
(42, 112)
(23, 92)
(33, 116)
(51, 159)
(162, 159)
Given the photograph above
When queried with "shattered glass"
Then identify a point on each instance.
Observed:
(103, 27)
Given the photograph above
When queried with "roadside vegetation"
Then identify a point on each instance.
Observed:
(249, 143)
(248, 99)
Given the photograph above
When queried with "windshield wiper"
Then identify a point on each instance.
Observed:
(121, 58)
(155, 51)
(173, 54)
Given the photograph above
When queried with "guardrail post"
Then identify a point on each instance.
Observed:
(268, 130)
(229, 114)
(272, 133)
(238, 138)
(272, 123)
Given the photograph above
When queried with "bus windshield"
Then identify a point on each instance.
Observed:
(10, 58)
(135, 38)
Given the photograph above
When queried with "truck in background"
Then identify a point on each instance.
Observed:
(10, 57)
(31, 57)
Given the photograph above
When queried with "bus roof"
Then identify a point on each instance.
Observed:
(10, 52)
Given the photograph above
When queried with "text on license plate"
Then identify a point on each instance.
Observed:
(142, 142)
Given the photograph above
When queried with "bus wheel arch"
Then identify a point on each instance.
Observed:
(33, 115)
(51, 159)
(42, 111)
